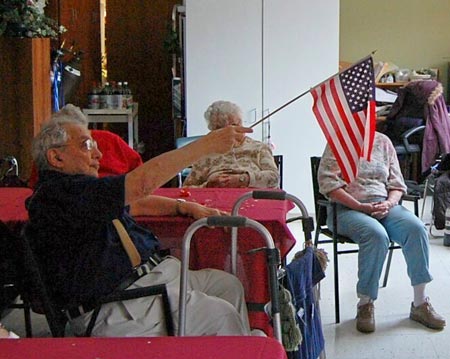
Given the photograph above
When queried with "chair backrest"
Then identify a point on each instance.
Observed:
(32, 287)
(8, 269)
(181, 142)
(279, 162)
(320, 211)
(9, 173)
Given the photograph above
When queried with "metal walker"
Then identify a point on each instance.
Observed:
(232, 221)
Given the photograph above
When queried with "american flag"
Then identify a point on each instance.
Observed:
(344, 106)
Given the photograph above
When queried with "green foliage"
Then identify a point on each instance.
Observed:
(22, 18)
(172, 42)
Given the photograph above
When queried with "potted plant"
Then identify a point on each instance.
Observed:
(26, 18)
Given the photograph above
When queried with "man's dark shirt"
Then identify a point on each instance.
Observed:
(72, 235)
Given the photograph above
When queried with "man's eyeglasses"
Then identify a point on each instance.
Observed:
(87, 145)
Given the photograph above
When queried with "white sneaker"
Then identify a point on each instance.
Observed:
(257, 333)
(7, 334)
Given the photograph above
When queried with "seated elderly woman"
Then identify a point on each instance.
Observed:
(249, 164)
(369, 213)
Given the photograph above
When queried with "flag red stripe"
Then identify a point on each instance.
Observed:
(354, 132)
(337, 131)
(330, 133)
(337, 124)
(370, 125)
(346, 170)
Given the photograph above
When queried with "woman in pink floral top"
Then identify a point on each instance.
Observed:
(369, 213)
(250, 164)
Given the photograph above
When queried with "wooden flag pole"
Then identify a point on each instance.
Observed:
(304, 93)
(280, 108)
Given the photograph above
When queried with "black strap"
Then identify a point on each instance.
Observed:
(255, 307)
(153, 261)
(92, 321)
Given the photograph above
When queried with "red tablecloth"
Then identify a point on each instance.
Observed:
(140, 348)
(270, 213)
(12, 207)
(210, 248)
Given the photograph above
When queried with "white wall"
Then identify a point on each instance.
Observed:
(297, 49)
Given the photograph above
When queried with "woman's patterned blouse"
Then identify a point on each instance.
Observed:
(374, 179)
(252, 157)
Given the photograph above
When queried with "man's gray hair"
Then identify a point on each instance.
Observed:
(53, 133)
(217, 114)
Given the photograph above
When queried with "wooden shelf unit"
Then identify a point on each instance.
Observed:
(390, 85)
(26, 96)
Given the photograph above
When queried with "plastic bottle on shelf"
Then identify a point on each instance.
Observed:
(118, 96)
(127, 96)
(94, 97)
(107, 96)
(102, 97)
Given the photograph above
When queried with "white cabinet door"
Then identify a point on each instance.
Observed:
(300, 46)
(260, 54)
(223, 58)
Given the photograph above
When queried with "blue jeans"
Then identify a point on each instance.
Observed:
(372, 236)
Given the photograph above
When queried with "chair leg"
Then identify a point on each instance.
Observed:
(27, 317)
(336, 283)
(423, 203)
(415, 166)
(388, 267)
(425, 195)
(316, 238)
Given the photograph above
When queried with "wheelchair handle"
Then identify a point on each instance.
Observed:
(226, 221)
(277, 195)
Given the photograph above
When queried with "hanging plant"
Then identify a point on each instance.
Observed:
(26, 18)
(172, 41)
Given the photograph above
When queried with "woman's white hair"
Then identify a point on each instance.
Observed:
(218, 113)
(53, 133)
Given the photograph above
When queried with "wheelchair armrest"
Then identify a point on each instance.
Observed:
(134, 293)
(122, 295)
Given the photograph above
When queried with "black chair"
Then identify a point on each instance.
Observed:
(27, 282)
(279, 162)
(409, 151)
(321, 204)
(181, 142)
(9, 173)
(35, 295)
(10, 280)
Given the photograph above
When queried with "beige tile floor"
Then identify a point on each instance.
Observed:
(395, 337)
